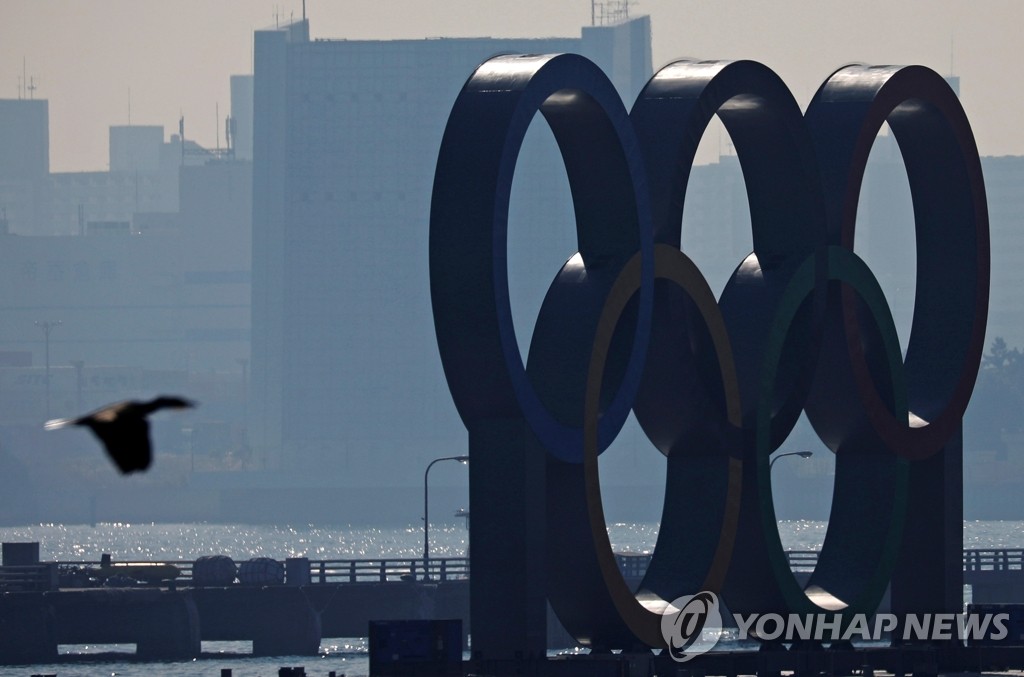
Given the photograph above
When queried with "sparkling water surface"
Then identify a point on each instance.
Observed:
(169, 542)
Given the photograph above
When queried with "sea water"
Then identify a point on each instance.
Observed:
(167, 542)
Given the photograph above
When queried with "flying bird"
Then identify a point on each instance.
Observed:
(123, 429)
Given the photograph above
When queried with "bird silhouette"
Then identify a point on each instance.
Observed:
(123, 429)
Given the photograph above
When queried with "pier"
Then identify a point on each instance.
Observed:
(169, 618)
(44, 605)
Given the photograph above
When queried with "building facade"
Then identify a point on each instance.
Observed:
(346, 376)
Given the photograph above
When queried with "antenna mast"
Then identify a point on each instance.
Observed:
(608, 12)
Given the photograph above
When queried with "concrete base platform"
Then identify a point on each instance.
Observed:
(280, 620)
(903, 661)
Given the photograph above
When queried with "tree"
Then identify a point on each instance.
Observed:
(997, 407)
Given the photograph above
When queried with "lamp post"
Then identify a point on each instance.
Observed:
(47, 325)
(78, 365)
(426, 507)
(801, 454)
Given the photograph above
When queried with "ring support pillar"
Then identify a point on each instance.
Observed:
(934, 534)
(508, 608)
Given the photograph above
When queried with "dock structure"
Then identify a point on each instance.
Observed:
(170, 619)
(317, 599)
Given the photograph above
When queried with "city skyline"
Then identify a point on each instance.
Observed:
(95, 62)
(316, 359)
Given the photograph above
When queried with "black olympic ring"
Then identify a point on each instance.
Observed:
(629, 322)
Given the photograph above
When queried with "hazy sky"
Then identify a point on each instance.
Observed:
(175, 56)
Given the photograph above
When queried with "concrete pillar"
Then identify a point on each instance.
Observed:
(162, 624)
(284, 623)
(929, 573)
(171, 630)
(27, 629)
(508, 607)
(296, 571)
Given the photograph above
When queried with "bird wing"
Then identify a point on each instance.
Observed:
(165, 402)
(109, 413)
(106, 414)
(56, 423)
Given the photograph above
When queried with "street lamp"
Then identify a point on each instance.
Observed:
(426, 506)
(47, 325)
(78, 365)
(801, 454)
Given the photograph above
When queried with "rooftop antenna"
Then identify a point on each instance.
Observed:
(303, 10)
(28, 85)
(216, 113)
(608, 12)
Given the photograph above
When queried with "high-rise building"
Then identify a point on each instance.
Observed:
(24, 161)
(24, 139)
(240, 123)
(1003, 178)
(136, 148)
(144, 267)
(346, 375)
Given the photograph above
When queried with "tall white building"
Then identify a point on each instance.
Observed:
(347, 384)
(346, 375)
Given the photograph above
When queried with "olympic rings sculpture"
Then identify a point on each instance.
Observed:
(629, 323)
